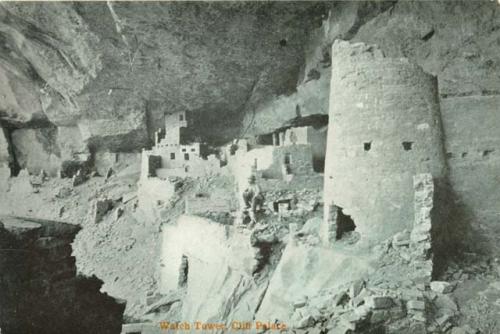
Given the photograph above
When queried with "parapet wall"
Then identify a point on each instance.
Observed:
(385, 127)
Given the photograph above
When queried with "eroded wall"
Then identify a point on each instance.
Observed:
(385, 127)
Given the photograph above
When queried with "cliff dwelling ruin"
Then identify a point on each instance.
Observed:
(262, 167)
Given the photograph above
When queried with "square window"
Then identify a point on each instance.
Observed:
(172, 156)
(192, 150)
(183, 150)
(407, 145)
(186, 156)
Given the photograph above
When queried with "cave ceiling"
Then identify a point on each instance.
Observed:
(61, 63)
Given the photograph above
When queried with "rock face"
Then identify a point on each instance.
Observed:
(38, 282)
(5, 157)
(123, 133)
(470, 124)
(66, 63)
(71, 144)
(36, 149)
(459, 52)
(385, 127)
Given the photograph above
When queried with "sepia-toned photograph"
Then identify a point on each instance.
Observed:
(250, 167)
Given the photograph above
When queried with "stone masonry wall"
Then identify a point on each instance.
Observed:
(385, 127)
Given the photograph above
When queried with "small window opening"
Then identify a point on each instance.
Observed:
(367, 146)
(181, 117)
(266, 139)
(193, 149)
(449, 155)
(288, 159)
(297, 111)
(186, 156)
(183, 150)
(283, 42)
(282, 205)
(428, 36)
(172, 156)
(487, 152)
(407, 145)
(186, 169)
(183, 272)
(464, 154)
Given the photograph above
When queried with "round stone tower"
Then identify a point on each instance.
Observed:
(385, 127)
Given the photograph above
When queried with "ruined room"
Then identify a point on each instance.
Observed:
(250, 167)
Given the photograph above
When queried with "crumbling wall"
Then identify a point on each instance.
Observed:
(39, 289)
(385, 127)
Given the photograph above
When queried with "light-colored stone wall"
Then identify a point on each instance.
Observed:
(208, 204)
(153, 192)
(173, 124)
(376, 105)
(267, 162)
(218, 260)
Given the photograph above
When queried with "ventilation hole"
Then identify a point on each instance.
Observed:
(283, 42)
(464, 154)
(407, 145)
(367, 146)
(428, 36)
(487, 152)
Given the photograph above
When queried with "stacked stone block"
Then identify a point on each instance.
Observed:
(385, 127)
(421, 236)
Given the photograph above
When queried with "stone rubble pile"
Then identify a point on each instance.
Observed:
(365, 307)
(399, 297)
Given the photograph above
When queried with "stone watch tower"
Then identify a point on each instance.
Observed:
(385, 127)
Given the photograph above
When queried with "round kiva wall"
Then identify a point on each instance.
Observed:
(385, 127)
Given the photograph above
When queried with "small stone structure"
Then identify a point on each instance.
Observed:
(385, 127)
(420, 237)
(173, 156)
